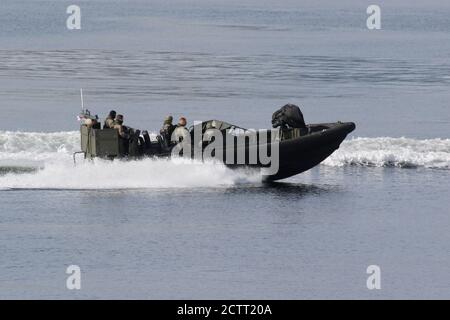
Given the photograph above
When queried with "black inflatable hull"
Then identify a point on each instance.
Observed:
(303, 153)
(296, 155)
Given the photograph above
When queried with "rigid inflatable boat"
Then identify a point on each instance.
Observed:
(295, 146)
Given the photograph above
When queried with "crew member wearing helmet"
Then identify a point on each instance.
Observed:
(118, 125)
(109, 121)
(181, 132)
(210, 131)
(167, 130)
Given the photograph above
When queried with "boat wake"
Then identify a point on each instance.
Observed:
(148, 173)
(393, 152)
(44, 161)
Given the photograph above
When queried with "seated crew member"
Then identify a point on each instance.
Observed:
(109, 121)
(92, 122)
(118, 125)
(89, 122)
(210, 130)
(167, 130)
(181, 132)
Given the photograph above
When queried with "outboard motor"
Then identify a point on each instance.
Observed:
(133, 146)
(141, 146)
(148, 142)
(288, 116)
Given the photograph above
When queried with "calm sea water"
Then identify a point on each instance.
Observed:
(165, 229)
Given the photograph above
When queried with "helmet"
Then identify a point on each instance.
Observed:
(119, 118)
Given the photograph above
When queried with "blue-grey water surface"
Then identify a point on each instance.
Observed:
(158, 230)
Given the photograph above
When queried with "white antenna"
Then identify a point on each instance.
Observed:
(82, 102)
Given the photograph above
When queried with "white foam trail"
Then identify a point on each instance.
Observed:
(37, 146)
(393, 152)
(148, 173)
(51, 154)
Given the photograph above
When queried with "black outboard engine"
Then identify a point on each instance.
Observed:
(288, 116)
(147, 140)
(133, 143)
